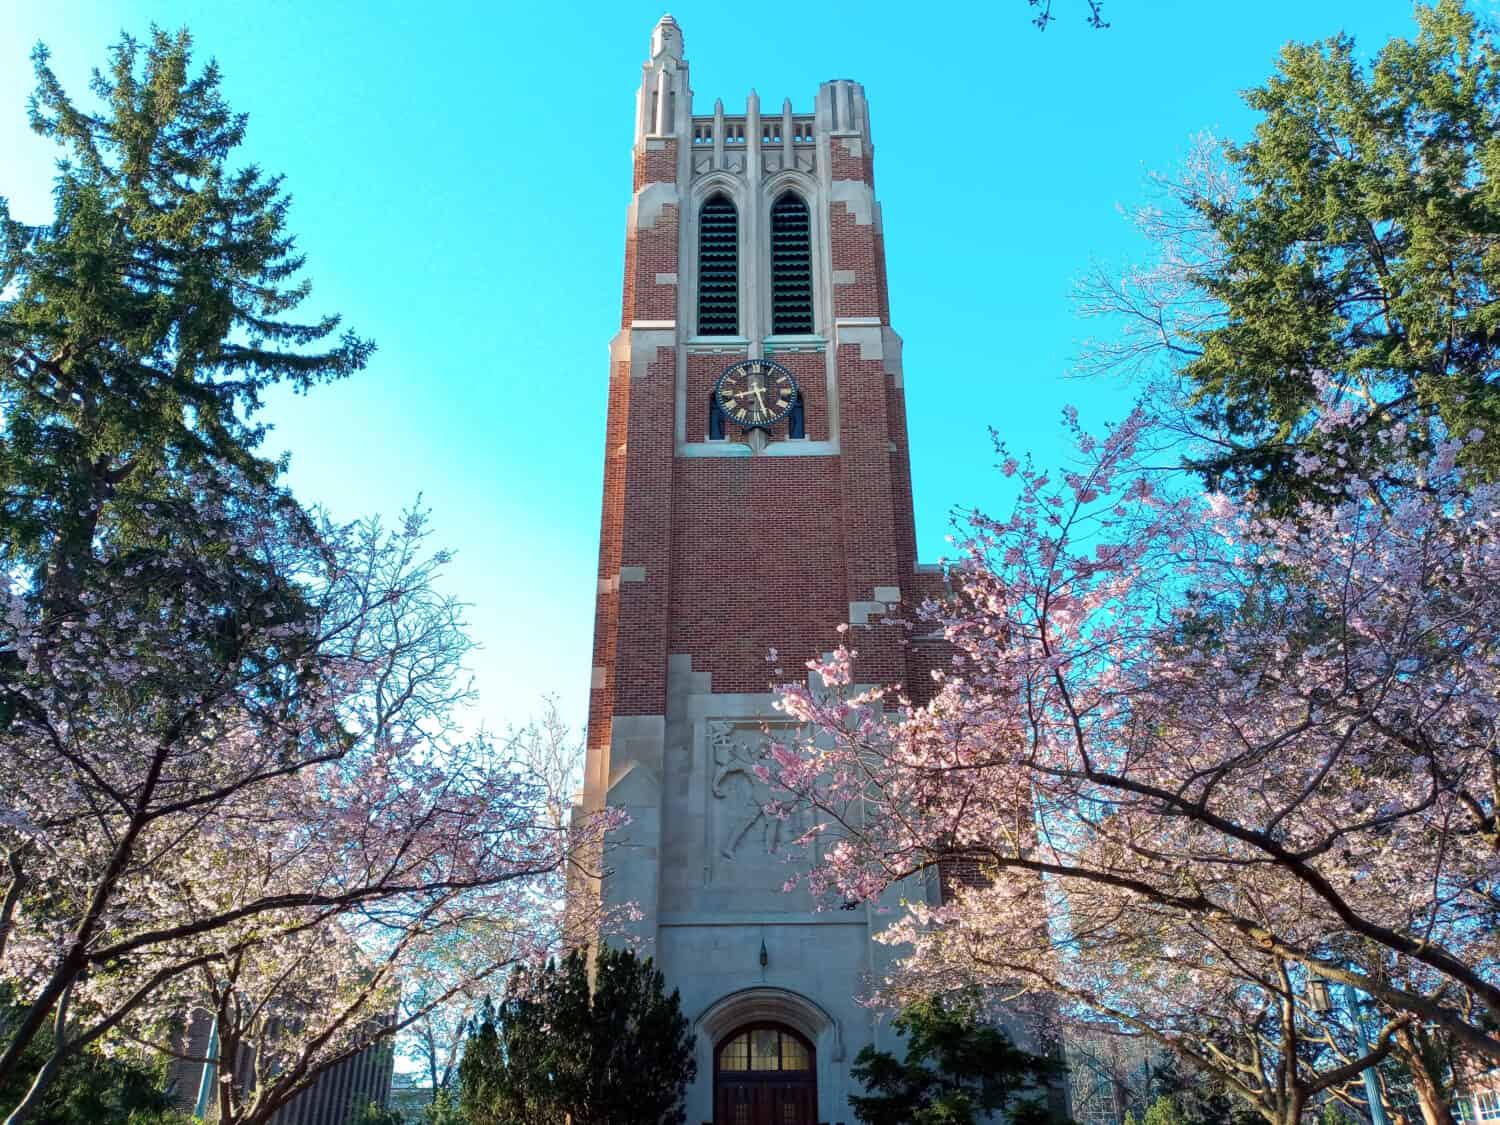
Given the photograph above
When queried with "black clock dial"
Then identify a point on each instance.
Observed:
(756, 393)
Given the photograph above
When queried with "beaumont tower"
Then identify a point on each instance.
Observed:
(757, 495)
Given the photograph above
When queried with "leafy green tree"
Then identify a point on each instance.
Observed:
(957, 1071)
(90, 1087)
(1346, 255)
(617, 1053)
(492, 1088)
(1164, 1111)
(373, 1113)
(444, 1110)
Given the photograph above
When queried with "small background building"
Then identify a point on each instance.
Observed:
(356, 1081)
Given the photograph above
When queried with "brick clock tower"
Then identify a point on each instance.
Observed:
(757, 494)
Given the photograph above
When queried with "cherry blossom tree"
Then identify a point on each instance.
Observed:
(1199, 758)
(242, 791)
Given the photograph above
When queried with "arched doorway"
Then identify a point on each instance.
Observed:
(765, 1074)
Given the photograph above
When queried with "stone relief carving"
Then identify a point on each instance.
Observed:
(735, 753)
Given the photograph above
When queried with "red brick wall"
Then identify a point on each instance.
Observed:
(640, 673)
(852, 247)
(901, 502)
(870, 541)
(703, 371)
(757, 562)
(607, 607)
(656, 165)
(653, 250)
(810, 369)
(635, 525)
(846, 167)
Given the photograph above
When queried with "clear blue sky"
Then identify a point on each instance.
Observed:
(461, 173)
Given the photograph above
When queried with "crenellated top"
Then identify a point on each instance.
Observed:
(774, 142)
(736, 142)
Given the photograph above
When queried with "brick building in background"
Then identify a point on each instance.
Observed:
(332, 1100)
(746, 508)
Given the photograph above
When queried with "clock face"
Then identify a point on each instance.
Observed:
(756, 393)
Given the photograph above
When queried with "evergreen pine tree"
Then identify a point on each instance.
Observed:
(141, 327)
(617, 1053)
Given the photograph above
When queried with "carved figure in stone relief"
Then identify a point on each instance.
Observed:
(735, 783)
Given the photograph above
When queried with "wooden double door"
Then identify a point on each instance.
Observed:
(765, 1074)
(766, 1103)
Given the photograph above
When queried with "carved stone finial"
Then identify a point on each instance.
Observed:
(666, 38)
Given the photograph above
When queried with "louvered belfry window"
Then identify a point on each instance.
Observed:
(791, 266)
(718, 269)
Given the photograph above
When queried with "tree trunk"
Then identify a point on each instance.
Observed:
(1430, 1099)
(33, 1099)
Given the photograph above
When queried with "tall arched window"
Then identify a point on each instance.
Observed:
(718, 269)
(791, 266)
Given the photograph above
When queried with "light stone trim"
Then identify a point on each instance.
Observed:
(802, 447)
(637, 345)
(845, 277)
(857, 196)
(609, 585)
(692, 449)
(726, 345)
(666, 279)
(861, 612)
(597, 677)
(869, 337)
(640, 738)
(649, 203)
(854, 145)
(632, 574)
(891, 346)
(773, 1005)
(885, 599)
